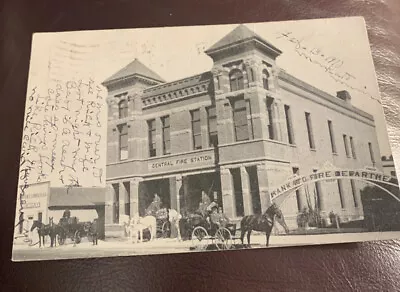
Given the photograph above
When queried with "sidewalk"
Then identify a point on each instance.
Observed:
(256, 240)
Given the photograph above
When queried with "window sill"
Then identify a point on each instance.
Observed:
(313, 149)
(335, 154)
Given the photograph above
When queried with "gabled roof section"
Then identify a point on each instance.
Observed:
(239, 35)
(135, 68)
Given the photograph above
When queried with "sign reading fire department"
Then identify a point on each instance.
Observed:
(332, 174)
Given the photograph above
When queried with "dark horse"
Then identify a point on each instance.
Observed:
(42, 229)
(51, 230)
(263, 223)
(54, 230)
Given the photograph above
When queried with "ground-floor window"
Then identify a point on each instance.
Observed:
(254, 189)
(237, 190)
(127, 198)
(116, 204)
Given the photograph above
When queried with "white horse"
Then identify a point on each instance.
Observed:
(138, 224)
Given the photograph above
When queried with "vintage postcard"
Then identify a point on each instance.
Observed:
(205, 138)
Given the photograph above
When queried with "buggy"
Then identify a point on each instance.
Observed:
(203, 233)
(73, 229)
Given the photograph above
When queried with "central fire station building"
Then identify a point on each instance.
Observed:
(234, 132)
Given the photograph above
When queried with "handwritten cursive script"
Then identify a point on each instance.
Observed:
(331, 64)
(62, 136)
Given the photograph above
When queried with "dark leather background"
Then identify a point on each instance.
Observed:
(349, 267)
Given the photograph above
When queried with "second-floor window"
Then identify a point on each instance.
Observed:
(123, 109)
(212, 126)
(270, 113)
(371, 153)
(151, 125)
(236, 80)
(353, 149)
(166, 135)
(265, 76)
(123, 141)
(332, 137)
(196, 129)
(346, 146)
(242, 120)
(289, 125)
(310, 131)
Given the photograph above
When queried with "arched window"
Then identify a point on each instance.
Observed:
(236, 80)
(265, 76)
(123, 108)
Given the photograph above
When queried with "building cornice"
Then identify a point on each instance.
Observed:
(322, 94)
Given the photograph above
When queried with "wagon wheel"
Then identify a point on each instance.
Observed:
(166, 229)
(77, 237)
(223, 239)
(200, 238)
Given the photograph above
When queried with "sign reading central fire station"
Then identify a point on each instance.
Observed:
(199, 159)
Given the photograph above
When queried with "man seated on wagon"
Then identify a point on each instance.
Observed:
(66, 218)
(214, 217)
(154, 206)
(224, 220)
(67, 213)
(204, 203)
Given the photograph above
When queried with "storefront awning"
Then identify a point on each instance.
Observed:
(76, 197)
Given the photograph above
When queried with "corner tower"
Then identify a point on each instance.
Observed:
(249, 114)
(125, 89)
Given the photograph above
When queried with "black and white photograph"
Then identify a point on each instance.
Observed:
(203, 138)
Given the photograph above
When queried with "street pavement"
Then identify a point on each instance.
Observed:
(112, 247)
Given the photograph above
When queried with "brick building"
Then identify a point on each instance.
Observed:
(234, 131)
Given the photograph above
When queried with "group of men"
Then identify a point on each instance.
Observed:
(207, 208)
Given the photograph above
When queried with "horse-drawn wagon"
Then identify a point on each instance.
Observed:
(203, 233)
(73, 229)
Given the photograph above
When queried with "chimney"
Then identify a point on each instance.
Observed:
(344, 95)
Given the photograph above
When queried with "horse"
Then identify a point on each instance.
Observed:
(54, 230)
(42, 229)
(263, 223)
(138, 224)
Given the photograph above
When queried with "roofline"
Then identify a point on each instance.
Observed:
(308, 87)
(110, 82)
(246, 40)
